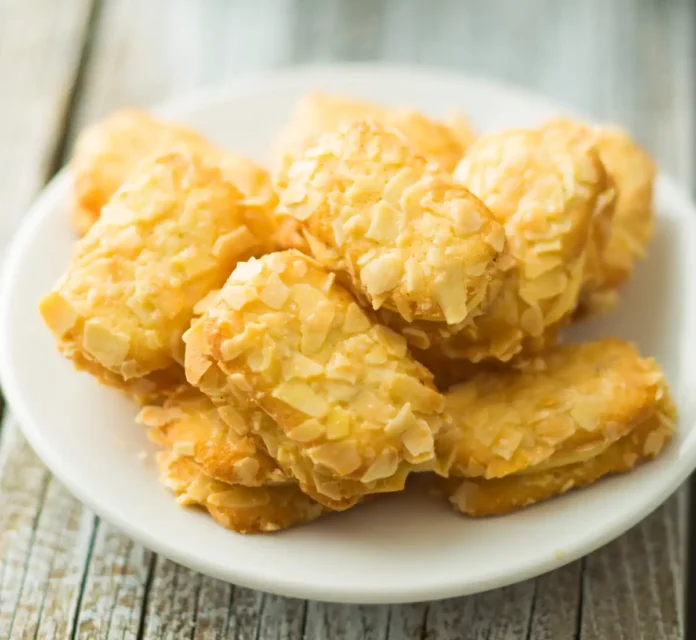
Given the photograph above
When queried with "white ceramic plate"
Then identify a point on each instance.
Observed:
(396, 549)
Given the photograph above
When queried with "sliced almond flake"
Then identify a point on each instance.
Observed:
(260, 359)
(384, 466)
(300, 268)
(377, 355)
(366, 257)
(303, 210)
(392, 341)
(108, 346)
(275, 293)
(238, 296)
(233, 419)
(356, 321)
(417, 337)
(496, 238)
(152, 416)
(370, 406)
(293, 194)
(401, 422)
(307, 431)
(247, 469)
(302, 397)
(414, 278)
(451, 294)
(507, 442)
(338, 424)
(395, 186)
(270, 442)
(307, 298)
(232, 348)
(385, 222)
(299, 366)
(328, 283)
(464, 496)
(241, 498)
(340, 391)
(245, 271)
(239, 381)
(532, 322)
(341, 368)
(409, 389)
(549, 285)
(312, 341)
(382, 274)
(419, 442)
(183, 449)
(341, 457)
(467, 219)
(206, 302)
(58, 313)
(654, 442)
(236, 243)
(338, 232)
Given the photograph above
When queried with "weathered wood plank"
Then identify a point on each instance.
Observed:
(213, 610)
(40, 44)
(282, 619)
(114, 585)
(407, 621)
(172, 606)
(54, 568)
(495, 615)
(352, 622)
(555, 610)
(632, 587)
(22, 486)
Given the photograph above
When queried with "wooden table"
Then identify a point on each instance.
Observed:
(63, 63)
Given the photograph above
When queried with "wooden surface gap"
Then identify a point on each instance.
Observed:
(59, 155)
(32, 539)
(578, 615)
(146, 596)
(83, 580)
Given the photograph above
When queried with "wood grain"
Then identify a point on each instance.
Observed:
(42, 541)
(65, 574)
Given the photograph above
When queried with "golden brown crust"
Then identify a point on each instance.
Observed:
(242, 509)
(634, 173)
(319, 113)
(547, 187)
(626, 235)
(479, 497)
(169, 235)
(400, 235)
(109, 151)
(190, 424)
(352, 413)
(572, 399)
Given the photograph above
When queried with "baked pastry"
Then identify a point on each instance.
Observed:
(352, 413)
(109, 151)
(189, 424)
(575, 414)
(319, 113)
(628, 233)
(170, 234)
(401, 236)
(262, 509)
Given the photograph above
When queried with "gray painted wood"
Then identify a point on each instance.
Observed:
(63, 572)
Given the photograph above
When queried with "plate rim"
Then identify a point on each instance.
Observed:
(55, 191)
